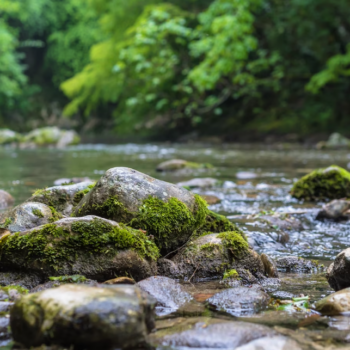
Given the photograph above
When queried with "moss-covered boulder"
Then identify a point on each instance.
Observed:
(84, 317)
(51, 136)
(62, 199)
(180, 164)
(322, 184)
(168, 212)
(96, 248)
(211, 256)
(8, 136)
(6, 200)
(25, 217)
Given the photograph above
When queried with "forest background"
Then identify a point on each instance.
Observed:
(163, 70)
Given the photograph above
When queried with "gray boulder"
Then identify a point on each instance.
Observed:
(83, 316)
(335, 304)
(170, 295)
(335, 210)
(62, 198)
(6, 200)
(25, 217)
(296, 264)
(240, 301)
(90, 246)
(168, 212)
(335, 141)
(338, 273)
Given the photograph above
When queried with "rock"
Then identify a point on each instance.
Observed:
(246, 175)
(271, 343)
(270, 284)
(334, 304)
(62, 198)
(269, 266)
(210, 256)
(240, 301)
(168, 212)
(210, 199)
(90, 246)
(296, 264)
(71, 181)
(6, 200)
(200, 183)
(282, 295)
(335, 141)
(218, 223)
(59, 281)
(336, 210)
(22, 279)
(209, 333)
(83, 316)
(24, 217)
(170, 295)
(322, 184)
(120, 280)
(282, 222)
(5, 306)
(338, 273)
(179, 164)
(51, 136)
(8, 136)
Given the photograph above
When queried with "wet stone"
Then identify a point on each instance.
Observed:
(335, 304)
(336, 210)
(6, 200)
(240, 301)
(170, 295)
(269, 265)
(338, 273)
(22, 279)
(283, 295)
(200, 183)
(271, 343)
(5, 306)
(57, 283)
(295, 264)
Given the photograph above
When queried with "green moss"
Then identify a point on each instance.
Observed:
(209, 246)
(230, 274)
(55, 215)
(38, 213)
(80, 194)
(19, 289)
(234, 242)
(194, 165)
(322, 184)
(112, 209)
(69, 279)
(6, 223)
(41, 192)
(53, 245)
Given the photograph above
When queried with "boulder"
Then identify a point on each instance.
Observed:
(179, 164)
(84, 316)
(51, 136)
(296, 264)
(168, 212)
(335, 141)
(269, 266)
(338, 273)
(271, 343)
(335, 304)
(210, 256)
(336, 210)
(71, 181)
(209, 333)
(322, 184)
(8, 136)
(6, 200)
(22, 279)
(90, 246)
(25, 217)
(169, 294)
(62, 198)
(240, 301)
(200, 183)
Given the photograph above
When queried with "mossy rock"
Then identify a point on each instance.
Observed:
(84, 317)
(25, 217)
(62, 199)
(97, 248)
(169, 213)
(211, 256)
(322, 184)
(218, 223)
(8, 136)
(180, 164)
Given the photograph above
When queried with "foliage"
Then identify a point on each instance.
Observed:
(69, 279)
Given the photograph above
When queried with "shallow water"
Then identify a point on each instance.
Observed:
(254, 179)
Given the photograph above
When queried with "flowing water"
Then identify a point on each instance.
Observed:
(255, 180)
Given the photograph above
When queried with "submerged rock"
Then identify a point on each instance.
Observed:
(170, 295)
(25, 217)
(209, 333)
(210, 256)
(90, 246)
(84, 316)
(179, 164)
(335, 210)
(168, 212)
(334, 304)
(6, 200)
(322, 184)
(271, 343)
(63, 198)
(240, 301)
(8, 136)
(200, 183)
(296, 264)
(338, 273)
